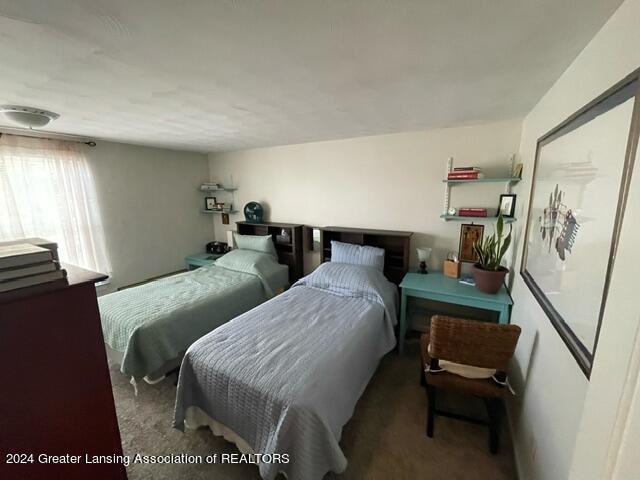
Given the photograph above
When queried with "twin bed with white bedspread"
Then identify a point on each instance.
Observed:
(285, 377)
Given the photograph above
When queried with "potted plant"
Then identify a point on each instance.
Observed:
(487, 272)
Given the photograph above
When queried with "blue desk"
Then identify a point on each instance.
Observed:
(436, 286)
(201, 260)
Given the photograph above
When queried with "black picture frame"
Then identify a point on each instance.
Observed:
(210, 203)
(624, 90)
(469, 233)
(512, 210)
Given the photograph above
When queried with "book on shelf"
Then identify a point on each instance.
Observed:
(32, 280)
(20, 254)
(465, 175)
(466, 169)
(28, 270)
(472, 212)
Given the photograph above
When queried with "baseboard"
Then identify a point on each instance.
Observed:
(137, 284)
(516, 458)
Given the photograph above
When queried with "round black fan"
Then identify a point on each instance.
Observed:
(253, 212)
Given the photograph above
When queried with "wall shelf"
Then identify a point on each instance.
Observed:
(210, 188)
(228, 212)
(458, 218)
(508, 181)
(484, 180)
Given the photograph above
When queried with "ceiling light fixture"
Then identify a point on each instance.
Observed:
(28, 116)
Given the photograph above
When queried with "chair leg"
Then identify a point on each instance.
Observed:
(431, 409)
(493, 410)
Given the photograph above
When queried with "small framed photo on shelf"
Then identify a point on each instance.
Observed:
(210, 203)
(470, 233)
(507, 205)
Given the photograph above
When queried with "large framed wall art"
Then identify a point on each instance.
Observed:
(581, 176)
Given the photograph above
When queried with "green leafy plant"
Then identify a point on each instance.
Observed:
(492, 248)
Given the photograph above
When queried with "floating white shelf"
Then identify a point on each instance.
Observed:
(458, 218)
(211, 188)
(228, 212)
(484, 180)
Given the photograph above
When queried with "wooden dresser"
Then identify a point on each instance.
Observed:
(289, 251)
(56, 396)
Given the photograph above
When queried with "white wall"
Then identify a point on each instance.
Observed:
(386, 181)
(150, 208)
(557, 408)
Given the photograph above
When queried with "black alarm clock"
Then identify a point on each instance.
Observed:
(253, 212)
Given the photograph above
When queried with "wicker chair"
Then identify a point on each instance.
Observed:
(470, 342)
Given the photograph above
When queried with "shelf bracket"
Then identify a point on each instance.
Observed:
(447, 187)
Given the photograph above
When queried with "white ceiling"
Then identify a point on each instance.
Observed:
(211, 75)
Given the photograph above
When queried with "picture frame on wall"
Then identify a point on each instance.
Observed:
(210, 203)
(507, 205)
(469, 234)
(581, 177)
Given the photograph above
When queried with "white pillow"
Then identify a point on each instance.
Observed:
(257, 243)
(357, 255)
(467, 371)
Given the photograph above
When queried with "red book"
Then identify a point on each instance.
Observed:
(472, 212)
(465, 176)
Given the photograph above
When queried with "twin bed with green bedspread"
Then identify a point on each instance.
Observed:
(148, 328)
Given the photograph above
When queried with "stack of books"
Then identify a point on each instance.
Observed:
(465, 173)
(26, 265)
(472, 212)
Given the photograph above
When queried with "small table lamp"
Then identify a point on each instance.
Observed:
(423, 256)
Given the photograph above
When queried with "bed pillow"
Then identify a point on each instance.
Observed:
(357, 255)
(257, 243)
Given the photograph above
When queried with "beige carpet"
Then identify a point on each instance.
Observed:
(385, 439)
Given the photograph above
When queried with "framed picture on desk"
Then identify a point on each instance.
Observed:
(469, 234)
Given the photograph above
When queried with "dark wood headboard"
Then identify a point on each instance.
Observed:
(289, 253)
(395, 244)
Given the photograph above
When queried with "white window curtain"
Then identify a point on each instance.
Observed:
(47, 191)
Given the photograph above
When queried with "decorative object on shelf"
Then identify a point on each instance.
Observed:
(469, 234)
(452, 211)
(284, 237)
(581, 179)
(517, 171)
(253, 212)
(423, 256)
(507, 205)
(210, 203)
(452, 265)
(487, 271)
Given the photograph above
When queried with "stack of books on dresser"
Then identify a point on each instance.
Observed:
(465, 173)
(23, 264)
(472, 212)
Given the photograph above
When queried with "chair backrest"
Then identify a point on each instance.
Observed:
(481, 344)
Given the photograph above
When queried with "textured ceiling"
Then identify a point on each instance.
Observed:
(212, 75)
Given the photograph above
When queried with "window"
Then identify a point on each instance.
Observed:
(47, 191)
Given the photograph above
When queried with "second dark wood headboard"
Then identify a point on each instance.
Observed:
(395, 244)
